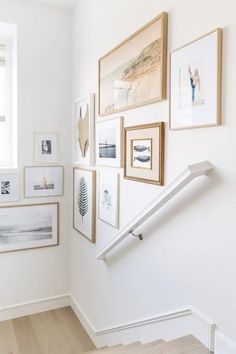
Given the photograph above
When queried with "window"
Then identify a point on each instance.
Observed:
(8, 128)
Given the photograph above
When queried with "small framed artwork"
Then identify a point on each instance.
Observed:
(29, 226)
(196, 71)
(83, 130)
(43, 181)
(108, 203)
(84, 203)
(9, 188)
(109, 140)
(133, 74)
(45, 148)
(144, 153)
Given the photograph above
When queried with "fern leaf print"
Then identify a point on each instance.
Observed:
(82, 197)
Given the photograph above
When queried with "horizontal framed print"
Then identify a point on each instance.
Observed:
(45, 148)
(144, 153)
(43, 181)
(196, 71)
(84, 203)
(108, 202)
(133, 74)
(109, 142)
(83, 130)
(25, 227)
(9, 188)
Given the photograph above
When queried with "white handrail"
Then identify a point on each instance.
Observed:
(191, 172)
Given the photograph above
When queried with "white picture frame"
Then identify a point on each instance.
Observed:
(109, 142)
(45, 148)
(108, 200)
(195, 86)
(84, 202)
(84, 130)
(9, 188)
(29, 226)
(43, 181)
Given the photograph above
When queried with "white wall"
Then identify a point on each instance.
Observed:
(188, 255)
(44, 104)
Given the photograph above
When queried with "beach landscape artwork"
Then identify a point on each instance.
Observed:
(84, 202)
(28, 226)
(108, 210)
(144, 153)
(195, 88)
(43, 181)
(9, 188)
(109, 138)
(134, 73)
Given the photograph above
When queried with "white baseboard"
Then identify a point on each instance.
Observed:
(167, 326)
(30, 308)
(224, 345)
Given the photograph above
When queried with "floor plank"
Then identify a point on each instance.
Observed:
(25, 336)
(8, 343)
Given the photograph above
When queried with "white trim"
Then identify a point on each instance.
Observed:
(32, 307)
(223, 344)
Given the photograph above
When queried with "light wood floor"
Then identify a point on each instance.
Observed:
(53, 332)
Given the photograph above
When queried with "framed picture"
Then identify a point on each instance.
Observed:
(9, 188)
(83, 130)
(134, 73)
(144, 153)
(43, 181)
(109, 142)
(196, 71)
(45, 148)
(108, 202)
(84, 203)
(29, 226)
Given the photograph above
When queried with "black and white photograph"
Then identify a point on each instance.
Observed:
(109, 142)
(43, 181)
(9, 188)
(28, 226)
(142, 153)
(45, 148)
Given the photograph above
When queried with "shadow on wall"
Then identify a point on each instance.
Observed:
(179, 206)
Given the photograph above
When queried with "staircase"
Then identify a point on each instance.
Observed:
(187, 344)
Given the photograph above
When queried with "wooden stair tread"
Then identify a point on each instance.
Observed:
(178, 346)
(103, 349)
(153, 344)
(119, 349)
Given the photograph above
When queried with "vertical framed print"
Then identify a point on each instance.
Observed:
(144, 153)
(108, 201)
(109, 142)
(45, 148)
(83, 130)
(9, 188)
(84, 202)
(196, 71)
(133, 74)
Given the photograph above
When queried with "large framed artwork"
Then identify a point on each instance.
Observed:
(45, 148)
(196, 71)
(9, 188)
(84, 202)
(144, 153)
(108, 202)
(43, 181)
(109, 142)
(83, 130)
(29, 226)
(134, 73)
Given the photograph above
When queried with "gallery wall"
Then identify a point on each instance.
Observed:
(44, 105)
(187, 257)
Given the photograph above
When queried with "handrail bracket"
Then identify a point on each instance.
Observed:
(140, 236)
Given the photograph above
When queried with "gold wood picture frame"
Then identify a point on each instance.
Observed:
(144, 151)
(134, 73)
(196, 83)
(29, 226)
(84, 202)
